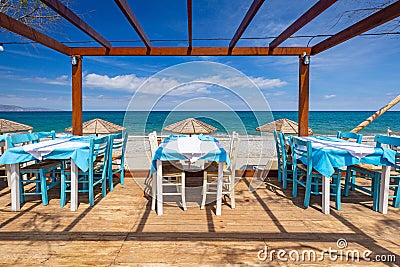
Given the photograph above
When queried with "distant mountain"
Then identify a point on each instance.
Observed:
(13, 108)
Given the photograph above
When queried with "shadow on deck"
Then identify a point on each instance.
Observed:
(121, 229)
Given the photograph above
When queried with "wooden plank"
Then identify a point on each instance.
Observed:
(255, 6)
(127, 11)
(77, 97)
(17, 27)
(195, 51)
(309, 15)
(190, 22)
(304, 95)
(388, 13)
(66, 13)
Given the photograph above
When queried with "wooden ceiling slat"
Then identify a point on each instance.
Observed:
(66, 13)
(386, 14)
(127, 11)
(309, 15)
(195, 51)
(255, 6)
(190, 22)
(19, 28)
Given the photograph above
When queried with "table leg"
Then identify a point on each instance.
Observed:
(15, 187)
(326, 192)
(219, 188)
(159, 189)
(384, 189)
(74, 186)
(8, 172)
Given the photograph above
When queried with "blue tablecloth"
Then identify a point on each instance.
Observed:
(80, 155)
(165, 154)
(325, 160)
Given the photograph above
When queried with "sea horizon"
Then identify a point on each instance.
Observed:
(244, 122)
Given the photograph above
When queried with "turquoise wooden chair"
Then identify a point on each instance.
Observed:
(350, 136)
(117, 157)
(285, 166)
(36, 172)
(374, 172)
(301, 149)
(95, 175)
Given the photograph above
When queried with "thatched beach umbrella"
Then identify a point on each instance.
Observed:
(99, 126)
(7, 126)
(284, 125)
(190, 126)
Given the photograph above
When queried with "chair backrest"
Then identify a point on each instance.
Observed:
(393, 143)
(278, 147)
(98, 154)
(233, 151)
(301, 149)
(21, 139)
(118, 142)
(153, 143)
(350, 135)
(51, 134)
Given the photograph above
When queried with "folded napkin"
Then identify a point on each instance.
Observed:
(34, 149)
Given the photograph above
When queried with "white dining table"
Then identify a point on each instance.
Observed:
(191, 149)
(329, 153)
(75, 148)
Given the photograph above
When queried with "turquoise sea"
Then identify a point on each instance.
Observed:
(244, 122)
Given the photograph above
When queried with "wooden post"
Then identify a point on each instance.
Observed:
(304, 85)
(77, 97)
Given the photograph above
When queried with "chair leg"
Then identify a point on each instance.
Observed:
(204, 190)
(307, 192)
(375, 191)
(43, 187)
(279, 173)
(153, 191)
(63, 188)
(396, 200)
(122, 175)
(91, 193)
(110, 179)
(294, 189)
(338, 192)
(284, 178)
(232, 190)
(21, 190)
(183, 194)
(104, 186)
(347, 181)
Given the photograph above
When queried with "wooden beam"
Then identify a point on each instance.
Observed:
(19, 28)
(304, 87)
(309, 15)
(386, 14)
(195, 51)
(77, 97)
(190, 22)
(255, 6)
(66, 13)
(123, 5)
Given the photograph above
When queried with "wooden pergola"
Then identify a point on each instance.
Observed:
(382, 16)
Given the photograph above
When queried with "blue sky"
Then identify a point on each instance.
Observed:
(360, 74)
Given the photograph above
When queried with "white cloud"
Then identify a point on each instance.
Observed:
(329, 96)
(131, 83)
(61, 80)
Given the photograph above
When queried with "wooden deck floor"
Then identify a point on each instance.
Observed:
(122, 230)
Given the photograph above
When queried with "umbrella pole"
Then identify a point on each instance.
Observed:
(376, 115)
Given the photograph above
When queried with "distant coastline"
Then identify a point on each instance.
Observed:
(14, 108)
